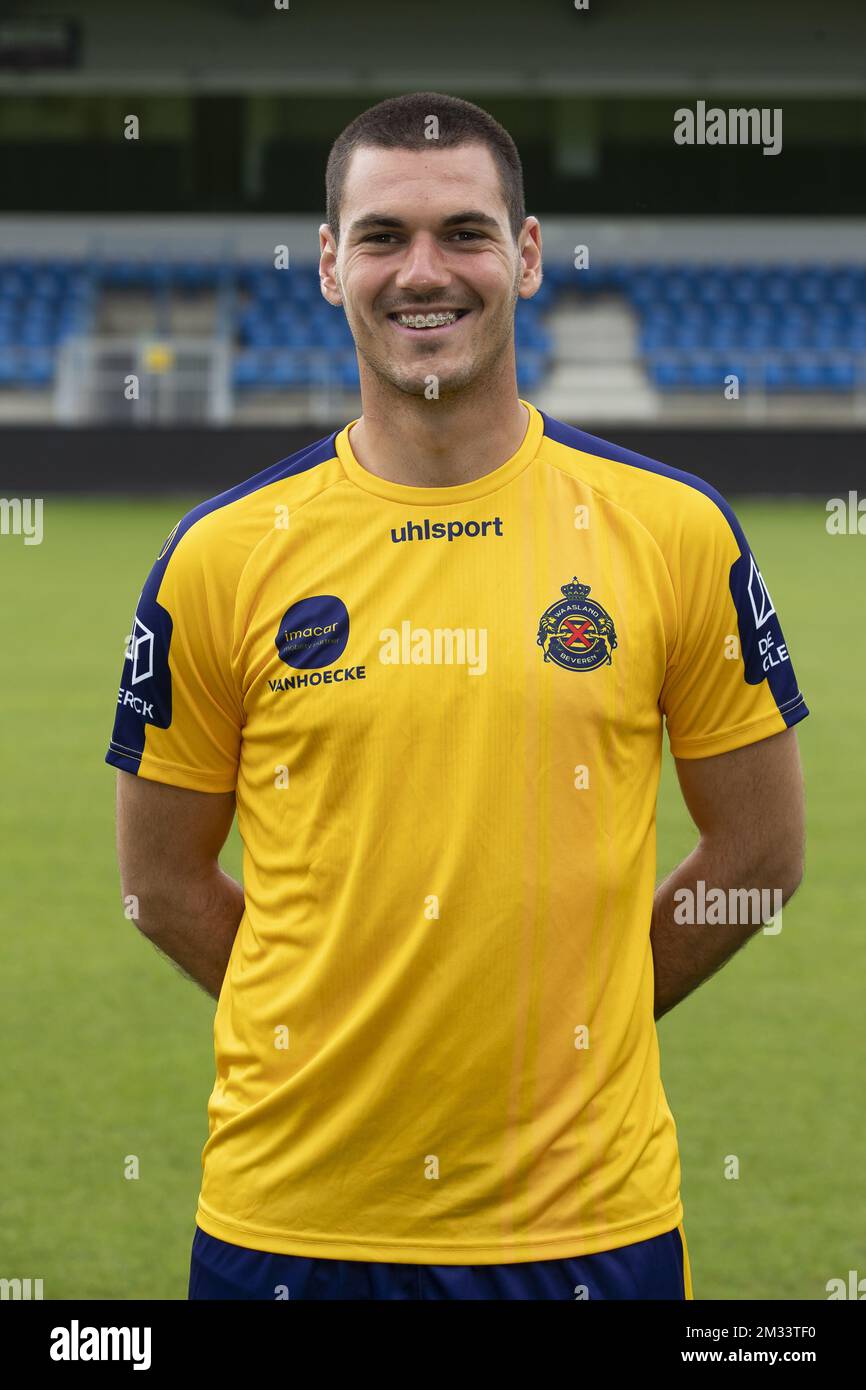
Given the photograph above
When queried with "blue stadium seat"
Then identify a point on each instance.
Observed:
(348, 375)
(36, 368)
(724, 336)
(261, 334)
(667, 373)
(246, 370)
(775, 375)
(806, 373)
(283, 369)
(839, 374)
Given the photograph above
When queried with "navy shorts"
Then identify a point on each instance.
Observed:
(649, 1269)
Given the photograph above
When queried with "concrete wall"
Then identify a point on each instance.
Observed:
(36, 462)
(809, 241)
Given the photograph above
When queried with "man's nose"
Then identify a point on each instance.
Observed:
(424, 265)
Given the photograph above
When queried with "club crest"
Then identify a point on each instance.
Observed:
(576, 632)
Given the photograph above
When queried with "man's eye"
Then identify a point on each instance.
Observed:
(384, 237)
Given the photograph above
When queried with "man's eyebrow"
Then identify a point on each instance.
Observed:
(482, 219)
(387, 219)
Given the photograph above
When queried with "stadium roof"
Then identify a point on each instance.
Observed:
(542, 48)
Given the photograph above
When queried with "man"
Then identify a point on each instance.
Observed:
(428, 659)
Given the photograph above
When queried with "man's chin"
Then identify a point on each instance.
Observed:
(427, 381)
(437, 387)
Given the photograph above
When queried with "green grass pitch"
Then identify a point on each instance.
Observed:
(107, 1050)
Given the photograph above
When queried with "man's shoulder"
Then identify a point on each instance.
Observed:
(660, 494)
(233, 522)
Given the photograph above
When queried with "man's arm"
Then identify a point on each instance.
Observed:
(168, 845)
(748, 806)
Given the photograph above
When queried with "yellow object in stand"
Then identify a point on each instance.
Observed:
(158, 357)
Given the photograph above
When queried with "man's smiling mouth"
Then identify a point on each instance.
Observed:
(427, 322)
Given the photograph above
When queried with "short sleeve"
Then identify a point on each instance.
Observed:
(730, 678)
(179, 714)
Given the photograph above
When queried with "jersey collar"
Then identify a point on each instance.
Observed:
(443, 496)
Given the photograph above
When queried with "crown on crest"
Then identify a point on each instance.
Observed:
(576, 590)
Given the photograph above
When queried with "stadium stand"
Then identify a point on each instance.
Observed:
(677, 331)
(40, 307)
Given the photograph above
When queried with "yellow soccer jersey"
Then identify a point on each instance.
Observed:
(442, 712)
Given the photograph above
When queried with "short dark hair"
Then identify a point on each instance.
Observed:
(399, 123)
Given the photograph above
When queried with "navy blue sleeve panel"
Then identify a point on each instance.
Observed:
(144, 697)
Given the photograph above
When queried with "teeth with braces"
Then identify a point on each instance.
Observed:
(426, 320)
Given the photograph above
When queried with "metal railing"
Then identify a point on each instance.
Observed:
(144, 381)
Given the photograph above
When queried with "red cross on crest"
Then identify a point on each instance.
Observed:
(578, 632)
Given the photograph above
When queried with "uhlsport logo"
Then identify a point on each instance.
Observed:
(313, 632)
(576, 632)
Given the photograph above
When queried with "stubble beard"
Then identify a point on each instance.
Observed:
(473, 376)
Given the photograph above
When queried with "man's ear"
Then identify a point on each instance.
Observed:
(329, 280)
(530, 256)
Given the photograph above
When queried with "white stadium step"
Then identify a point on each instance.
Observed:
(596, 372)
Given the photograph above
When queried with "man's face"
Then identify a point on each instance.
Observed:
(427, 233)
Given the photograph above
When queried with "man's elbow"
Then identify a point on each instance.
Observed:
(787, 873)
(164, 900)
(158, 903)
(145, 907)
(777, 865)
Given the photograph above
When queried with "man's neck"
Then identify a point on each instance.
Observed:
(438, 443)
